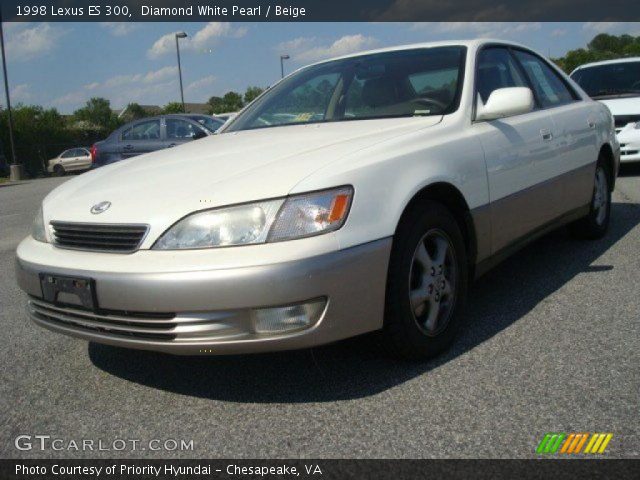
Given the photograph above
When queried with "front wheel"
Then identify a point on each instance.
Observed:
(426, 284)
(596, 223)
(58, 170)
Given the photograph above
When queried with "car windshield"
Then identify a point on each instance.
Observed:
(609, 80)
(406, 83)
(210, 123)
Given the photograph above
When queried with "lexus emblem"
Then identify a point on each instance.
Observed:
(100, 207)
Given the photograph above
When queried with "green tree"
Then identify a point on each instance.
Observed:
(232, 101)
(601, 47)
(216, 105)
(97, 111)
(134, 112)
(173, 107)
(251, 94)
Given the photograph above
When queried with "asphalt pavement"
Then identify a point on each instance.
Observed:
(551, 344)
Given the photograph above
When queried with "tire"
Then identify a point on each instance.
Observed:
(425, 329)
(596, 224)
(59, 171)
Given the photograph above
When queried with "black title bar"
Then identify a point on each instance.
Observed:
(318, 469)
(317, 10)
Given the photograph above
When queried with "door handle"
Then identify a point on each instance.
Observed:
(171, 145)
(546, 134)
(128, 147)
(591, 124)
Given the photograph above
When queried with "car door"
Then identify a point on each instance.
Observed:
(82, 158)
(520, 201)
(66, 159)
(180, 130)
(141, 137)
(574, 132)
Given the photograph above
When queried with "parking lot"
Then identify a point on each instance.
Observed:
(551, 344)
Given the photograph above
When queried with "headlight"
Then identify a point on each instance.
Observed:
(37, 229)
(267, 221)
(312, 214)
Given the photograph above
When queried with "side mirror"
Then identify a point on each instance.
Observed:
(199, 134)
(506, 102)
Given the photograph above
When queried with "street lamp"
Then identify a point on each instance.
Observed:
(180, 35)
(282, 59)
(15, 168)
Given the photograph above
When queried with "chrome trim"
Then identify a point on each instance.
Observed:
(164, 327)
(90, 236)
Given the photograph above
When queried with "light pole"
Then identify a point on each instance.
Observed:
(15, 168)
(282, 59)
(180, 35)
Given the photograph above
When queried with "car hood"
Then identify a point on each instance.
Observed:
(622, 105)
(161, 187)
(629, 134)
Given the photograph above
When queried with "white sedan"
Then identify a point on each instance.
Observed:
(72, 160)
(358, 194)
(616, 83)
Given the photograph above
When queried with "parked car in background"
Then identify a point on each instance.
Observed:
(72, 160)
(209, 121)
(616, 83)
(147, 135)
(225, 117)
(361, 193)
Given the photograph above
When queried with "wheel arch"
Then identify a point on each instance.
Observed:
(451, 198)
(606, 153)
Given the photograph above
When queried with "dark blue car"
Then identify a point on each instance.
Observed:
(151, 134)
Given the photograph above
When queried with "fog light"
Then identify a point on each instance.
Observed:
(288, 318)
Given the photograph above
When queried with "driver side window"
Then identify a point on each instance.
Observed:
(178, 129)
(496, 69)
(149, 130)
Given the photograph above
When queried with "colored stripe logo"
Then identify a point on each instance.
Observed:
(573, 443)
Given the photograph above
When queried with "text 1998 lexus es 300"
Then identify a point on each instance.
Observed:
(358, 194)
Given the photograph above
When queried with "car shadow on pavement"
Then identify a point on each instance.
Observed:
(355, 368)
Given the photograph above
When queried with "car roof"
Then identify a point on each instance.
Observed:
(471, 44)
(608, 62)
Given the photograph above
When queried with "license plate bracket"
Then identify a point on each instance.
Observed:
(61, 289)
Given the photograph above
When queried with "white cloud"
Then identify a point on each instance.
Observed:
(201, 86)
(153, 87)
(494, 29)
(306, 49)
(21, 93)
(161, 74)
(632, 28)
(27, 42)
(558, 32)
(119, 29)
(203, 39)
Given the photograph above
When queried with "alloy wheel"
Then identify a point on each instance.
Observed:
(600, 196)
(432, 282)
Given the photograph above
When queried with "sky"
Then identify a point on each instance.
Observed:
(62, 65)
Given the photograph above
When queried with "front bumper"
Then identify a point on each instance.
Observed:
(630, 154)
(211, 310)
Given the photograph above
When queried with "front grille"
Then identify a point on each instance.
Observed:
(149, 326)
(134, 325)
(121, 238)
(622, 120)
